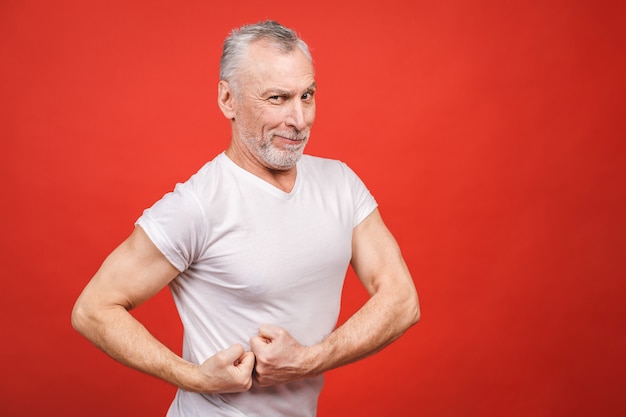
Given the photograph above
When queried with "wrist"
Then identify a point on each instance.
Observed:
(188, 376)
(316, 359)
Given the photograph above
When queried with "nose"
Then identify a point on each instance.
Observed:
(297, 117)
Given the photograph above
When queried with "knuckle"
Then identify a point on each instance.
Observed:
(219, 357)
(261, 358)
(261, 380)
(248, 384)
(259, 369)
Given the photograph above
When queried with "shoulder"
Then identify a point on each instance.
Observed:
(204, 180)
(209, 169)
(186, 198)
(325, 166)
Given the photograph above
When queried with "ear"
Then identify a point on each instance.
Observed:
(225, 98)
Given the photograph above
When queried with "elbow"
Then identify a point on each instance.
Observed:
(405, 306)
(414, 313)
(80, 317)
(417, 316)
(405, 309)
(410, 307)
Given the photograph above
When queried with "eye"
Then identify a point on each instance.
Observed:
(308, 96)
(276, 99)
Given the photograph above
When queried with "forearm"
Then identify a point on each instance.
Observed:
(380, 321)
(115, 331)
(393, 305)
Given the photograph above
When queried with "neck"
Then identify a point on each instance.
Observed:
(284, 180)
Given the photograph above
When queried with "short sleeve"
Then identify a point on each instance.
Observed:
(364, 201)
(177, 226)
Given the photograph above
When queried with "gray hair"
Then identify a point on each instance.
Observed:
(237, 43)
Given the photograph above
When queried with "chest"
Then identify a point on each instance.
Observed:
(261, 246)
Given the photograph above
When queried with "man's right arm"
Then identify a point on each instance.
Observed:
(133, 273)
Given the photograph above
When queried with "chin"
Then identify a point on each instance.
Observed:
(282, 161)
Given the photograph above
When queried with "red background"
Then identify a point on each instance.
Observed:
(492, 134)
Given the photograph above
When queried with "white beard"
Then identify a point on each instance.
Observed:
(282, 158)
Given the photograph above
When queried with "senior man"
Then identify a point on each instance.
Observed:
(255, 247)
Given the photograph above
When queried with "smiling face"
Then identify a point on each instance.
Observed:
(272, 107)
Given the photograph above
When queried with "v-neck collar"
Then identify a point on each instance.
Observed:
(261, 183)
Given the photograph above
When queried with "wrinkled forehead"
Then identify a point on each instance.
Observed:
(265, 62)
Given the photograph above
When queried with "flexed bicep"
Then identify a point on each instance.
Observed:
(134, 272)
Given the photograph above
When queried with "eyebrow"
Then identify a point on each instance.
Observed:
(277, 91)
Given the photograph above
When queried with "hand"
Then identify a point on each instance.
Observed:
(229, 370)
(279, 357)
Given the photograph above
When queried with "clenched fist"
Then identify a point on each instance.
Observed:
(229, 370)
(279, 357)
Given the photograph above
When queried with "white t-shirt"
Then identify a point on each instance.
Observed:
(249, 254)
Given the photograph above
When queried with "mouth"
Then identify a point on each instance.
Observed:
(291, 138)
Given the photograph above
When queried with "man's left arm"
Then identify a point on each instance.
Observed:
(392, 308)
